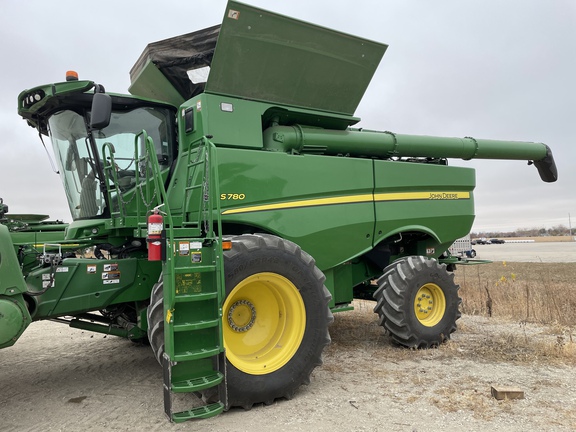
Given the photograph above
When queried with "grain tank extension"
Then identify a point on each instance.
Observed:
(227, 207)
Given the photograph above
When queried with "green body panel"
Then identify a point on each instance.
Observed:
(14, 315)
(304, 198)
(83, 285)
(434, 199)
(11, 281)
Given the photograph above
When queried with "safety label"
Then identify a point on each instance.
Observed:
(184, 248)
(110, 281)
(234, 14)
(196, 257)
(155, 228)
(111, 275)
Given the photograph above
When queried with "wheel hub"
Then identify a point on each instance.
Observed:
(241, 316)
(429, 304)
(425, 303)
(264, 322)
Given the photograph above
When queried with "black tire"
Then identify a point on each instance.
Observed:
(272, 261)
(417, 302)
(266, 254)
(155, 316)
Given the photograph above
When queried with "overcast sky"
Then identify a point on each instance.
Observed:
(485, 68)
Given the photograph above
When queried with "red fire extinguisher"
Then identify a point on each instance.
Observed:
(154, 238)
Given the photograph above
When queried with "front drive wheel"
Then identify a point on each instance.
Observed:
(275, 318)
(417, 302)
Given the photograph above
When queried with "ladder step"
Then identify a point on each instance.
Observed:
(185, 298)
(190, 224)
(199, 413)
(197, 384)
(193, 164)
(196, 354)
(196, 325)
(193, 187)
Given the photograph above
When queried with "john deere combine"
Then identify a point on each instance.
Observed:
(227, 207)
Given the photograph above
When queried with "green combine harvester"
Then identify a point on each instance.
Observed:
(227, 207)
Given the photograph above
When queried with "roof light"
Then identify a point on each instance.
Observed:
(33, 97)
(71, 76)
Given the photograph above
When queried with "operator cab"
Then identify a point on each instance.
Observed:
(80, 157)
(99, 161)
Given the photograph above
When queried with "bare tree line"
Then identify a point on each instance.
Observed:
(557, 230)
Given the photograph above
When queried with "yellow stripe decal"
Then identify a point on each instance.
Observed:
(353, 199)
(350, 199)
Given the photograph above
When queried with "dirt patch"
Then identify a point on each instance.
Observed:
(56, 378)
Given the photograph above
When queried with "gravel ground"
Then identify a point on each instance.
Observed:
(60, 379)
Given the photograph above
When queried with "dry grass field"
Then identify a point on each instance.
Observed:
(542, 293)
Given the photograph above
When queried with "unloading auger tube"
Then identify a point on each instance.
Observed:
(357, 142)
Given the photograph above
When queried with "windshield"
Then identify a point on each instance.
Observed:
(80, 169)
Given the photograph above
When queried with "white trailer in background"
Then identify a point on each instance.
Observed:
(463, 247)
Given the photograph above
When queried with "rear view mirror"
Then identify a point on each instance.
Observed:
(101, 111)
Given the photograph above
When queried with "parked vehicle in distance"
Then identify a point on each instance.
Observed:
(496, 241)
(480, 241)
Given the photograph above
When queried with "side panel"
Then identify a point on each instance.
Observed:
(328, 206)
(83, 285)
(14, 316)
(324, 204)
(435, 199)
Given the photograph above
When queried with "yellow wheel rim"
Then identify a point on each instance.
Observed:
(264, 321)
(429, 304)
